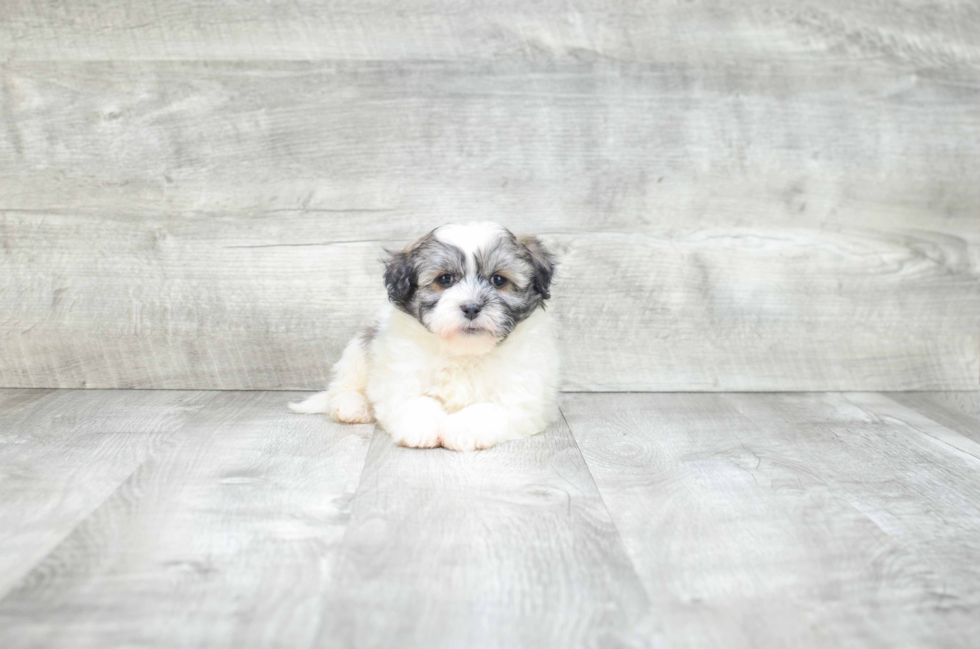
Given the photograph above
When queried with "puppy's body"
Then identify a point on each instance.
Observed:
(464, 355)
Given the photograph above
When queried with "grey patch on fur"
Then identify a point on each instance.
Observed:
(424, 307)
(368, 334)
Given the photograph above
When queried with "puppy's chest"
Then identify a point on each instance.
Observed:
(459, 385)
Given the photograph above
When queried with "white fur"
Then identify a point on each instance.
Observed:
(468, 237)
(442, 387)
(425, 393)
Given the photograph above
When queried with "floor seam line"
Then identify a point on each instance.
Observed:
(97, 506)
(882, 418)
(605, 507)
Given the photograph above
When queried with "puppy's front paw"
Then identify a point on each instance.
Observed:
(417, 436)
(481, 425)
(351, 408)
(418, 423)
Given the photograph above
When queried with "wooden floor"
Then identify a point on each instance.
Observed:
(219, 519)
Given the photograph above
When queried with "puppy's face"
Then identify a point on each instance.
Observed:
(470, 284)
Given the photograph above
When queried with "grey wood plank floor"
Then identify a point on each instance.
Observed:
(824, 520)
(192, 519)
(508, 548)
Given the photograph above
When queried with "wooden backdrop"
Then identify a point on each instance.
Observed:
(771, 196)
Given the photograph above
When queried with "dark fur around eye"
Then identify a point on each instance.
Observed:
(498, 280)
(445, 280)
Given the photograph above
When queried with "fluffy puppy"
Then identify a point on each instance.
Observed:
(463, 354)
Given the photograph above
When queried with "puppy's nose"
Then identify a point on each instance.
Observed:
(471, 310)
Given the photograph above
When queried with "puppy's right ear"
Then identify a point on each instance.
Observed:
(400, 278)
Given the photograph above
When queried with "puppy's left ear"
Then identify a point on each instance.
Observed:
(543, 262)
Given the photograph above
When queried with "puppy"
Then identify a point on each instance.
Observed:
(463, 354)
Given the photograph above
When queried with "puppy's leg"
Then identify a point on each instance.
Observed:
(344, 400)
(415, 422)
(480, 425)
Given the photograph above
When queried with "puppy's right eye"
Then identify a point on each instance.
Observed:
(444, 280)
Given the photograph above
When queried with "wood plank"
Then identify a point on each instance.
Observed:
(718, 310)
(63, 453)
(510, 547)
(224, 538)
(789, 520)
(785, 310)
(819, 142)
(14, 403)
(927, 416)
(947, 404)
(443, 29)
(217, 225)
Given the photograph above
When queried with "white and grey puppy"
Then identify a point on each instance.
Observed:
(463, 353)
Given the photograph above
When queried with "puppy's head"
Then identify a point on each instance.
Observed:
(470, 284)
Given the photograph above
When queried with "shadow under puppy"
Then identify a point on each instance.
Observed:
(463, 354)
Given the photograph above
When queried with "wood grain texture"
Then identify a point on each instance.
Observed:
(941, 407)
(223, 538)
(697, 520)
(812, 225)
(511, 547)
(820, 143)
(762, 30)
(944, 404)
(790, 520)
(63, 453)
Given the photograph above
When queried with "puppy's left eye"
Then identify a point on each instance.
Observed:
(498, 280)
(444, 280)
